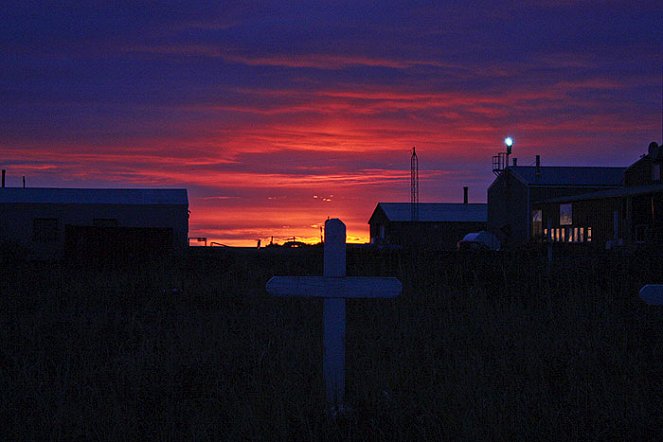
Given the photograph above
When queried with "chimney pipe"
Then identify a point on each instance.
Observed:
(3, 178)
(24, 181)
(538, 164)
(515, 162)
(465, 199)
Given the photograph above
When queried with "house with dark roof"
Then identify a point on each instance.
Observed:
(627, 215)
(511, 196)
(436, 226)
(49, 223)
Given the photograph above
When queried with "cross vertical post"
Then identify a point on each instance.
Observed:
(333, 316)
(334, 287)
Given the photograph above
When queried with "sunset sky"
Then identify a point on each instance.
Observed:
(276, 115)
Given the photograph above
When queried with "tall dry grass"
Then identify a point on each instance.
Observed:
(478, 347)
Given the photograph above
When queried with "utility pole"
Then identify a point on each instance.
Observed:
(414, 186)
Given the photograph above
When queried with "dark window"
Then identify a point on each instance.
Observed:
(105, 222)
(537, 223)
(656, 172)
(45, 229)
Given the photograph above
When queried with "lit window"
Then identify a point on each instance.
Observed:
(582, 234)
(45, 229)
(563, 235)
(565, 214)
(589, 234)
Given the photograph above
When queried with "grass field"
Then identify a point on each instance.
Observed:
(478, 347)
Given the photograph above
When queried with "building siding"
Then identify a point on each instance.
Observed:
(511, 203)
(508, 210)
(435, 235)
(427, 235)
(594, 214)
(644, 171)
(639, 218)
(17, 222)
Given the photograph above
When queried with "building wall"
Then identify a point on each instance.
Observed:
(508, 216)
(645, 218)
(17, 223)
(511, 204)
(378, 225)
(639, 218)
(597, 215)
(550, 192)
(429, 235)
(644, 171)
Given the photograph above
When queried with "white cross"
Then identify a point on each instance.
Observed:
(652, 294)
(334, 287)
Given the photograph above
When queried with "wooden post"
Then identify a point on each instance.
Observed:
(550, 250)
(334, 259)
(334, 287)
(333, 316)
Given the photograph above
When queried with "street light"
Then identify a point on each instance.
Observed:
(508, 141)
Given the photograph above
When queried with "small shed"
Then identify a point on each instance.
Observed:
(437, 225)
(46, 221)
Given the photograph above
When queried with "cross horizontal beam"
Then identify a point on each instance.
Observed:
(335, 287)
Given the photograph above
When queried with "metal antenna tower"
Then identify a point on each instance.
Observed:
(414, 186)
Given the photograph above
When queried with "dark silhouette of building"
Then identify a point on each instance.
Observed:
(512, 195)
(438, 226)
(629, 215)
(47, 221)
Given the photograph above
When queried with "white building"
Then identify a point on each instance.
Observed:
(44, 220)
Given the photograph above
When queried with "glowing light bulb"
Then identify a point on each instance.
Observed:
(508, 141)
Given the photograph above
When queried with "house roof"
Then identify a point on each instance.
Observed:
(435, 212)
(569, 176)
(49, 195)
(610, 193)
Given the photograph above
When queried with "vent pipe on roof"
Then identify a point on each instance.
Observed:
(465, 199)
(515, 162)
(3, 178)
(24, 181)
(538, 165)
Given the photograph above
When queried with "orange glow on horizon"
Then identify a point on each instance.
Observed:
(261, 162)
